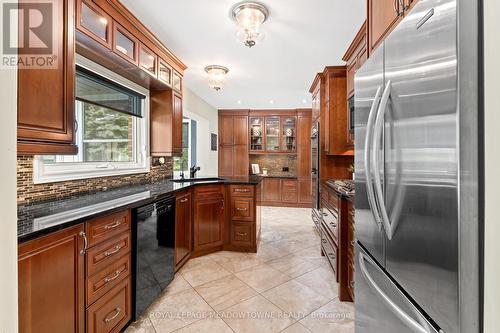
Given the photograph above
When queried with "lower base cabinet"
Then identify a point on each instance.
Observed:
(286, 192)
(209, 218)
(78, 279)
(51, 275)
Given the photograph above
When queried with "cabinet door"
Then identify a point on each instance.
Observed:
(226, 130)
(125, 44)
(183, 232)
(240, 161)
(288, 134)
(209, 223)
(304, 147)
(256, 134)
(273, 134)
(225, 161)
(271, 189)
(351, 71)
(147, 60)
(46, 111)
(305, 191)
(51, 283)
(177, 123)
(177, 81)
(94, 22)
(382, 16)
(240, 132)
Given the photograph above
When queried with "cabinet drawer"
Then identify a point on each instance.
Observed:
(288, 185)
(242, 233)
(209, 191)
(105, 254)
(105, 280)
(331, 223)
(289, 197)
(103, 228)
(334, 201)
(330, 251)
(242, 209)
(242, 190)
(112, 311)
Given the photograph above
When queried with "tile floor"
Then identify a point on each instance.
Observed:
(286, 287)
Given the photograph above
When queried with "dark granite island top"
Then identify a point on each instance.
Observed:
(41, 218)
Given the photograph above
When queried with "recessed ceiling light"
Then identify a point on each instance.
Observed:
(304, 101)
(239, 102)
(249, 16)
(271, 101)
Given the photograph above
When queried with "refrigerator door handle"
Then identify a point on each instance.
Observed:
(377, 136)
(367, 158)
(402, 315)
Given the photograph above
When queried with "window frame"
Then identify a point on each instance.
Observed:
(57, 172)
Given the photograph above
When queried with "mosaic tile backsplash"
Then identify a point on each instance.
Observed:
(28, 192)
(275, 164)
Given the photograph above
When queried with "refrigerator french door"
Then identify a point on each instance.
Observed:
(409, 185)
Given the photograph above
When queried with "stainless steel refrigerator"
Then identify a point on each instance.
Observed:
(417, 206)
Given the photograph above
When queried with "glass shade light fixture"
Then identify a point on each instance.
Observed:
(249, 16)
(216, 76)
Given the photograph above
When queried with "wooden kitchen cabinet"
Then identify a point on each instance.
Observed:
(332, 84)
(209, 219)
(51, 272)
(166, 123)
(233, 143)
(271, 190)
(183, 228)
(125, 44)
(46, 112)
(94, 22)
(244, 218)
(383, 16)
(304, 124)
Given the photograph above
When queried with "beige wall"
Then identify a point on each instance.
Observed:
(8, 234)
(207, 121)
(492, 166)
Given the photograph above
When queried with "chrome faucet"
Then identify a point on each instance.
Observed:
(193, 170)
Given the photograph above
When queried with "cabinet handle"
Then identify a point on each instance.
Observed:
(333, 224)
(352, 284)
(241, 190)
(184, 200)
(352, 243)
(332, 256)
(110, 253)
(242, 209)
(112, 226)
(324, 241)
(85, 243)
(116, 311)
(242, 233)
(114, 277)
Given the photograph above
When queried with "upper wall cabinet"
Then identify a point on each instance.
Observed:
(125, 44)
(147, 60)
(355, 57)
(166, 123)
(45, 123)
(94, 22)
(233, 143)
(383, 17)
(330, 87)
(271, 132)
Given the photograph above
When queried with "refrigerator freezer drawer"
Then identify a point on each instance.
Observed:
(381, 307)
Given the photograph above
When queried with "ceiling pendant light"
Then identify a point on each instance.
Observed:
(249, 16)
(216, 76)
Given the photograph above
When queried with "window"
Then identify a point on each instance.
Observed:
(111, 116)
(188, 158)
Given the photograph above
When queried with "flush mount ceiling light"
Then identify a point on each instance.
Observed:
(249, 16)
(216, 76)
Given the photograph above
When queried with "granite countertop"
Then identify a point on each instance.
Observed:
(344, 187)
(40, 218)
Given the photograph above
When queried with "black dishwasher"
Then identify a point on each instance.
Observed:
(154, 251)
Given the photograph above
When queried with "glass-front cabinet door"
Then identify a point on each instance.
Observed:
(288, 134)
(256, 134)
(94, 22)
(272, 134)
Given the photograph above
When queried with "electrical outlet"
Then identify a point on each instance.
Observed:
(285, 169)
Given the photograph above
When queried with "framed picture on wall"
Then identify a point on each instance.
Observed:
(213, 141)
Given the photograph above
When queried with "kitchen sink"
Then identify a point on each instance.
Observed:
(197, 180)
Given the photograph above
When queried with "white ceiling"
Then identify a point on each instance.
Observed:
(301, 38)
